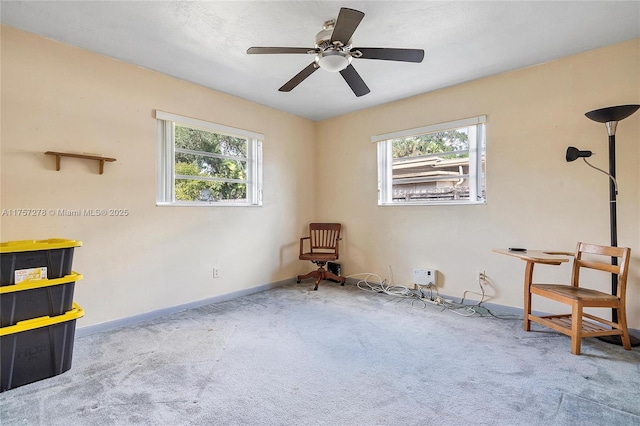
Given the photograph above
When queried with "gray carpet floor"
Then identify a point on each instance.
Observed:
(338, 356)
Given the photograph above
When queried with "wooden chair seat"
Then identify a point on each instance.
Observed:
(584, 295)
(326, 257)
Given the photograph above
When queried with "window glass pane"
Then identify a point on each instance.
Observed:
(203, 140)
(431, 167)
(482, 175)
(204, 163)
(201, 165)
(447, 189)
(443, 143)
(208, 191)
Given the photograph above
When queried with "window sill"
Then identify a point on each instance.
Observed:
(162, 204)
(434, 203)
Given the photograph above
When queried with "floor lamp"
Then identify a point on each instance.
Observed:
(610, 117)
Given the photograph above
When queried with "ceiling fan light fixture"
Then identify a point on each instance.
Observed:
(333, 60)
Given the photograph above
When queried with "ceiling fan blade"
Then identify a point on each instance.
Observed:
(346, 24)
(403, 55)
(354, 81)
(299, 78)
(272, 50)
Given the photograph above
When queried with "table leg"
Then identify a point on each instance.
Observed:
(528, 277)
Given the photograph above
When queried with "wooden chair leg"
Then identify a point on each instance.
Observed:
(622, 323)
(528, 277)
(312, 274)
(321, 274)
(331, 276)
(576, 328)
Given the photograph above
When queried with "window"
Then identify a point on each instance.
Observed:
(207, 164)
(439, 164)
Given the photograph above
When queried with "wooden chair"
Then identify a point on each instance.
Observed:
(579, 324)
(323, 247)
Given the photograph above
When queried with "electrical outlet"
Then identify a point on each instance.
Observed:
(424, 276)
(216, 272)
(480, 276)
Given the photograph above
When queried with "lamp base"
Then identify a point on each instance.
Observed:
(617, 340)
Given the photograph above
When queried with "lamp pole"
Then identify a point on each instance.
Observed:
(610, 117)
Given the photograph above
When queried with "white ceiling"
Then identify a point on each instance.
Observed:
(205, 42)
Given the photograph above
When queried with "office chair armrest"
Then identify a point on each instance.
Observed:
(302, 244)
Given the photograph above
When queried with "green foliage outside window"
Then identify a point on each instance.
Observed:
(204, 166)
(433, 143)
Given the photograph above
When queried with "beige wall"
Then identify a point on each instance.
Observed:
(535, 198)
(56, 97)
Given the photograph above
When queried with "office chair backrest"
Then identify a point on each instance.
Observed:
(324, 237)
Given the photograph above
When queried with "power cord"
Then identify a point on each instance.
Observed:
(469, 310)
(395, 290)
(381, 286)
(428, 294)
(483, 310)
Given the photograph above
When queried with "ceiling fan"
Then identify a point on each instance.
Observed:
(334, 52)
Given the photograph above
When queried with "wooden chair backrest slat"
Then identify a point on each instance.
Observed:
(324, 236)
(614, 269)
(623, 255)
(601, 250)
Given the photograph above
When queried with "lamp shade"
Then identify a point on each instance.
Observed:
(615, 113)
(574, 153)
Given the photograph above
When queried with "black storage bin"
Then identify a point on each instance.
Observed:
(37, 349)
(33, 299)
(55, 254)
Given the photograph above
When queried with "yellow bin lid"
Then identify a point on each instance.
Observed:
(32, 284)
(33, 323)
(35, 245)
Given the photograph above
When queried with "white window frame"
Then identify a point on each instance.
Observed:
(476, 176)
(165, 191)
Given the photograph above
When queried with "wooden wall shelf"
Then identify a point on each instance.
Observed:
(99, 158)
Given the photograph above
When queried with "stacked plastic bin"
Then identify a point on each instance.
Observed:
(37, 312)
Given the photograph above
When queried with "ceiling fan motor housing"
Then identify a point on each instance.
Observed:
(323, 38)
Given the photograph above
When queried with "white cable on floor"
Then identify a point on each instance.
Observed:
(382, 287)
(401, 291)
